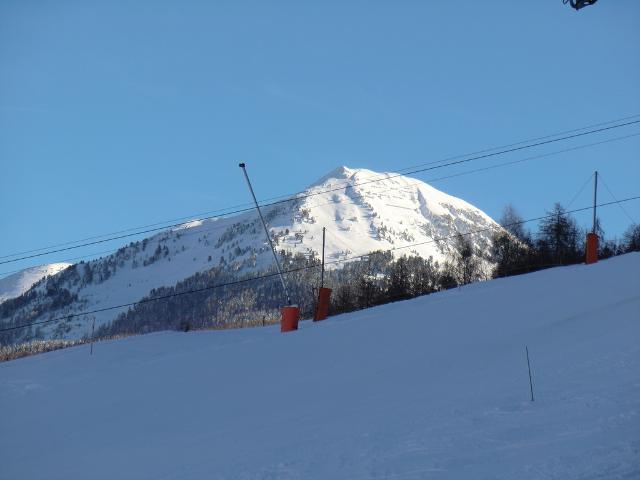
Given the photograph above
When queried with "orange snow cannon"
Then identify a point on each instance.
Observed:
(290, 318)
(322, 308)
(592, 248)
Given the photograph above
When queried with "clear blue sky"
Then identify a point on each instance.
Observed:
(118, 114)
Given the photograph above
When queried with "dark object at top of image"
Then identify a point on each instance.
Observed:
(578, 4)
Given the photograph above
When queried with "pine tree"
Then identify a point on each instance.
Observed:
(560, 237)
(513, 223)
(466, 264)
(423, 276)
(631, 238)
(398, 286)
(512, 247)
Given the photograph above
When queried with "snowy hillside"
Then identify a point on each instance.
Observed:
(380, 215)
(435, 387)
(18, 283)
(361, 214)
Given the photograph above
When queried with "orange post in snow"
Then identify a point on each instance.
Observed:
(324, 294)
(592, 248)
(322, 308)
(290, 317)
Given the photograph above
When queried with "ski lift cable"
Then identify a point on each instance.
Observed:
(237, 208)
(275, 274)
(432, 180)
(387, 177)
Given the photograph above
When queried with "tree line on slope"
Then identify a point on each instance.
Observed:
(558, 241)
(375, 279)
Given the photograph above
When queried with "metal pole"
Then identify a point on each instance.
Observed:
(595, 201)
(324, 230)
(266, 231)
(529, 366)
(93, 327)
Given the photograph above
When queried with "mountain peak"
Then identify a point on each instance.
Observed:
(360, 210)
(339, 173)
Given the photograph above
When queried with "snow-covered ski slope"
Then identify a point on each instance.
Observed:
(436, 387)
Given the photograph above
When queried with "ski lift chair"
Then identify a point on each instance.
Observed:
(578, 4)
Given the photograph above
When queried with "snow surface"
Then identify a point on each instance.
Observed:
(363, 211)
(435, 387)
(15, 285)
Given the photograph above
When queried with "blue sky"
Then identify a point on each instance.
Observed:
(119, 114)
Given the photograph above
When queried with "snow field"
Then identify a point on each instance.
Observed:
(435, 387)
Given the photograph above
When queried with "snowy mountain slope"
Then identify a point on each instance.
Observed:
(435, 387)
(16, 284)
(361, 214)
(380, 215)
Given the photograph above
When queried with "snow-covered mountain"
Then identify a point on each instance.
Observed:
(16, 284)
(363, 211)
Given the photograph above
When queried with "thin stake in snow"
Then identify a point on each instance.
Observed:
(529, 366)
(324, 231)
(93, 328)
(595, 203)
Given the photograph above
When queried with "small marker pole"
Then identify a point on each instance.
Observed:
(595, 202)
(93, 328)
(324, 230)
(529, 366)
(592, 237)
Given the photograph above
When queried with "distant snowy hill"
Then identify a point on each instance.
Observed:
(18, 283)
(363, 211)
(431, 388)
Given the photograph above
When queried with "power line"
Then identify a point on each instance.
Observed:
(566, 132)
(166, 224)
(123, 231)
(431, 180)
(60, 261)
(501, 152)
(147, 300)
(535, 157)
(270, 275)
(309, 195)
(301, 197)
